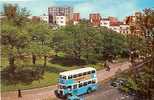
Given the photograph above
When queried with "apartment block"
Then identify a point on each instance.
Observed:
(95, 19)
(76, 18)
(125, 29)
(44, 18)
(105, 22)
(61, 20)
(60, 11)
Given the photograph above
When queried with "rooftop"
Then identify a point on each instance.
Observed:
(77, 71)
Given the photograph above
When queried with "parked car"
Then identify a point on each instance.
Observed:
(74, 97)
(118, 82)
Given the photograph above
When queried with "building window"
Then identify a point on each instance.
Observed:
(61, 17)
(61, 21)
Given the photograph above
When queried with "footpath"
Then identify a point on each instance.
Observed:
(47, 93)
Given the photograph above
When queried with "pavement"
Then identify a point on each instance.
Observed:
(47, 93)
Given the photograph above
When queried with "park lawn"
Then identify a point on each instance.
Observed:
(50, 76)
(48, 79)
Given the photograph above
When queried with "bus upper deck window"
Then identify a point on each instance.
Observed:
(89, 72)
(80, 74)
(64, 77)
(84, 73)
(74, 76)
(93, 71)
(70, 77)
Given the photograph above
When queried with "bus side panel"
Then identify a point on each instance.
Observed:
(84, 89)
(70, 81)
(94, 86)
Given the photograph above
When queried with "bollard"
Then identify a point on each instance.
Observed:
(19, 93)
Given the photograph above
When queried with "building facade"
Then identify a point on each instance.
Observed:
(95, 19)
(76, 18)
(105, 22)
(113, 20)
(60, 11)
(125, 29)
(44, 18)
(61, 20)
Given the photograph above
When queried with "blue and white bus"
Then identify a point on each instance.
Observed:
(77, 82)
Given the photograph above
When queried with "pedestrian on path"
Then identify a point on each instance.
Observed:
(107, 65)
(19, 93)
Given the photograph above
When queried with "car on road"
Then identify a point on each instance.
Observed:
(74, 97)
(118, 82)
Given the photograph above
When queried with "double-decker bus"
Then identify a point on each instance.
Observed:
(77, 82)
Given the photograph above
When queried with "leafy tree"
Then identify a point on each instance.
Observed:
(144, 78)
(40, 40)
(13, 37)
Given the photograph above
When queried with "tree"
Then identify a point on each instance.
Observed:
(14, 39)
(12, 36)
(144, 78)
(41, 35)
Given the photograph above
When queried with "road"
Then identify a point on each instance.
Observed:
(47, 93)
(107, 92)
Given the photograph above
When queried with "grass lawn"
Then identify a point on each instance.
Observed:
(49, 77)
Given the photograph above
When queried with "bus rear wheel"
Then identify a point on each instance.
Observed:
(89, 90)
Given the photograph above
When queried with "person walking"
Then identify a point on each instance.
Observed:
(19, 93)
(107, 65)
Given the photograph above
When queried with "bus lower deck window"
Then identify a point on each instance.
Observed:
(89, 82)
(93, 81)
(80, 85)
(74, 86)
(85, 83)
(69, 87)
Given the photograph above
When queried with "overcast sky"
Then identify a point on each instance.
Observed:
(117, 8)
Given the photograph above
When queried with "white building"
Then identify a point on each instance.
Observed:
(115, 28)
(75, 22)
(61, 20)
(105, 22)
(44, 18)
(125, 29)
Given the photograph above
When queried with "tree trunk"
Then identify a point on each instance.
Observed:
(45, 60)
(34, 59)
(11, 62)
